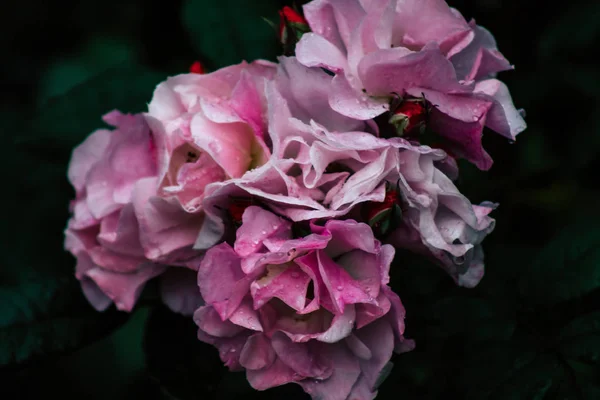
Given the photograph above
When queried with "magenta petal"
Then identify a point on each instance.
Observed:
(341, 326)
(257, 353)
(257, 225)
(346, 371)
(367, 313)
(364, 268)
(342, 288)
(300, 357)
(208, 320)
(179, 290)
(397, 315)
(229, 348)
(244, 100)
(221, 280)
(464, 138)
(462, 107)
(246, 316)
(349, 235)
(288, 283)
(379, 337)
(276, 374)
(357, 347)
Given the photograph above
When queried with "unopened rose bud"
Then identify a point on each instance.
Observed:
(292, 26)
(383, 216)
(410, 117)
(236, 209)
(197, 68)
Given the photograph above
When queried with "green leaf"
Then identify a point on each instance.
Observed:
(48, 317)
(64, 121)
(566, 268)
(226, 32)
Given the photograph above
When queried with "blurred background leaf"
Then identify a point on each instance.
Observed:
(48, 317)
(226, 32)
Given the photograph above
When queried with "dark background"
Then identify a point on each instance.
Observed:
(530, 330)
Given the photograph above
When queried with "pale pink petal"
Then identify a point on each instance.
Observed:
(124, 289)
(84, 156)
(164, 226)
(503, 117)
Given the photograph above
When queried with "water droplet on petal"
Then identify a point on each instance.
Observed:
(340, 287)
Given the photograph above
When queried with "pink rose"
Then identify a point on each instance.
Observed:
(121, 234)
(418, 50)
(313, 172)
(315, 309)
(210, 127)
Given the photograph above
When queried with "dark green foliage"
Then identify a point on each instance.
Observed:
(226, 32)
(48, 317)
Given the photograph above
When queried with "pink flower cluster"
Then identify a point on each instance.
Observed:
(268, 199)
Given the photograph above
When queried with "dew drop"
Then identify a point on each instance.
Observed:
(340, 287)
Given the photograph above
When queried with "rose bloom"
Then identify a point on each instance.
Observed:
(120, 233)
(315, 309)
(209, 128)
(318, 173)
(383, 50)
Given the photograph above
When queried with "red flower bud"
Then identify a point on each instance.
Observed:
(197, 68)
(374, 209)
(236, 208)
(290, 15)
(292, 26)
(408, 116)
